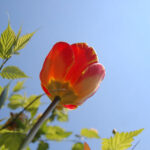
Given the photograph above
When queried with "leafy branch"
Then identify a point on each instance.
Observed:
(21, 112)
(4, 62)
(11, 44)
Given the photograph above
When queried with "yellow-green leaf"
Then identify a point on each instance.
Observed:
(11, 140)
(22, 41)
(1, 51)
(19, 86)
(1, 89)
(34, 107)
(89, 133)
(16, 101)
(120, 141)
(62, 115)
(78, 146)
(18, 34)
(7, 40)
(3, 148)
(56, 133)
(12, 72)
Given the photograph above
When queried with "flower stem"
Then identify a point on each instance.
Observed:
(36, 127)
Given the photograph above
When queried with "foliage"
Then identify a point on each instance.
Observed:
(24, 110)
(78, 146)
(11, 139)
(120, 141)
(90, 133)
(43, 145)
(12, 72)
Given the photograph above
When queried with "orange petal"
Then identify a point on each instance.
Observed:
(89, 82)
(57, 63)
(86, 146)
(84, 56)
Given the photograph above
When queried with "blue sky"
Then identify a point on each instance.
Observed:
(119, 30)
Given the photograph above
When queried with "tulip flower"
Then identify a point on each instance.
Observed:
(71, 72)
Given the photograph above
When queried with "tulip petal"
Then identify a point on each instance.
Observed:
(57, 63)
(88, 82)
(84, 56)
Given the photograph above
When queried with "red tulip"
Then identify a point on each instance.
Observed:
(71, 72)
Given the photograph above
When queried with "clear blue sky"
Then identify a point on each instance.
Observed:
(119, 30)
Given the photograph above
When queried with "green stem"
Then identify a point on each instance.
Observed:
(3, 63)
(36, 127)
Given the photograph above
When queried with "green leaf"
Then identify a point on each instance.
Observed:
(18, 34)
(12, 72)
(78, 146)
(43, 146)
(120, 141)
(19, 86)
(1, 89)
(1, 51)
(4, 95)
(22, 41)
(28, 148)
(7, 40)
(16, 101)
(62, 115)
(16, 40)
(89, 133)
(11, 140)
(34, 107)
(56, 133)
(3, 148)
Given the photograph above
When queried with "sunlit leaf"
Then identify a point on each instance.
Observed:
(16, 101)
(12, 72)
(4, 95)
(1, 51)
(34, 107)
(18, 34)
(3, 148)
(62, 115)
(78, 146)
(7, 40)
(120, 141)
(28, 148)
(22, 41)
(89, 133)
(10, 139)
(43, 146)
(19, 86)
(1, 89)
(86, 146)
(56, 133)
